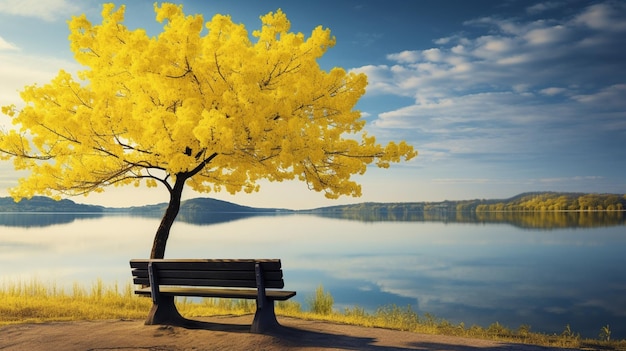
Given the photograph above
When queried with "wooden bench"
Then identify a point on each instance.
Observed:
(164, 279)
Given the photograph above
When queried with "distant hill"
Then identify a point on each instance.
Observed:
(45, 204)
(201, 204)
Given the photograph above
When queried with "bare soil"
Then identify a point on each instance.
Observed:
(230, 333)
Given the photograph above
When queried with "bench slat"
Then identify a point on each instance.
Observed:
(224, 278)
(209, 264)
(237, 275)
(225, 293)
(210, 282)
(225, 283)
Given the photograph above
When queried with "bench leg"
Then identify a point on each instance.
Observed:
(164, 312)
(264, 318)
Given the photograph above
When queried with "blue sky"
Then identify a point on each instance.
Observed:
(499, 97)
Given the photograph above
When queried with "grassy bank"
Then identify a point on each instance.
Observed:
(36, 302)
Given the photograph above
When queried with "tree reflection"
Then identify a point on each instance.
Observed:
(200, 217)
(527, 220)
(27, 220)
(530, 220)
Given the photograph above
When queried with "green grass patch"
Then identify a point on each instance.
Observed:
(36, 302)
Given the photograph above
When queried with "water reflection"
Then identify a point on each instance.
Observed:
(529, 220)
(27, 220)
(525, 220)
(476, 274)
(208, 218)
(33, 219)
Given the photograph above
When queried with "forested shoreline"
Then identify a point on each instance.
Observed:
(560, 202)
(526, 202)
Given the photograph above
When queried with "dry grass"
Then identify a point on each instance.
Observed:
(34, 302)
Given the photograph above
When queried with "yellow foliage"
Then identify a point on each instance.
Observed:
(199, 102)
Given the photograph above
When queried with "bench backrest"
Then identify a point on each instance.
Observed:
(209, 272)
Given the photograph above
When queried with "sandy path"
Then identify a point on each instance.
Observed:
(230, 333)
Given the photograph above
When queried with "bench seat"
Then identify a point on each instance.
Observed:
(223, 293)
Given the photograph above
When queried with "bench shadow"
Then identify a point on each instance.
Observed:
(294, 337)
(502, 346)
(212, 326)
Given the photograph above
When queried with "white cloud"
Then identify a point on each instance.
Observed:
(542, 7)
(443, 41)
(575, 179)
(514, 60)
(552, 91)
(449, 119)
(604, 16)
(459, 49)
(432, 55)
(5, 45)
(614, 95)
(405, 56)
(503, 26)
(496, 44)
(380, 78)
(513, 82)
(547, 35)
(49, 10)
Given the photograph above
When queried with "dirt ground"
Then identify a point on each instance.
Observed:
(229, 333)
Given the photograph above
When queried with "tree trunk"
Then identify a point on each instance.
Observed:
(160, 238)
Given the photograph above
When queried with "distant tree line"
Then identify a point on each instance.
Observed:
(559, 202)
(526, 202)
(545, 220)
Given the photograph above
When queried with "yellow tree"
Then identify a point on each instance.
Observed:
(209, 108)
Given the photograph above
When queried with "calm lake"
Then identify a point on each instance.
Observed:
(542, 270)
